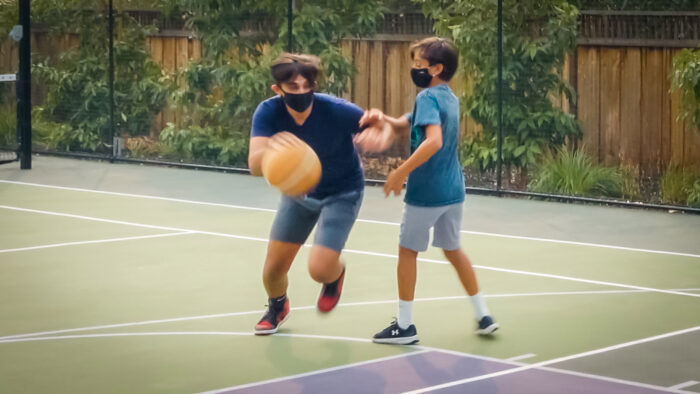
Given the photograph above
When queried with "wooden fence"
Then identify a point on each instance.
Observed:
(625, 103)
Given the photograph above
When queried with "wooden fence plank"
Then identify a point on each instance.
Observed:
(630, 101)
(652, 92)
(610, 105)
(589, 99)
(376, 75)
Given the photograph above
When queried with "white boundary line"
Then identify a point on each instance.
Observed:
(519, 367)
(521, 357)
(299, 308)
(488, 234)
(683, 385)
(555, 361)
(393, 256)
(96, 241)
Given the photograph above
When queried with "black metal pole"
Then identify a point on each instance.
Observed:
(499, 159)
(290, 21)
(111, 76)
(24, 87)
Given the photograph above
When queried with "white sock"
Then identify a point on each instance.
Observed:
(405, 314)
(480, 308)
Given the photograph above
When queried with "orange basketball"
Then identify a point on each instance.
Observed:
(293, 168)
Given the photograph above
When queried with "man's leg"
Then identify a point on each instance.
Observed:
(338, 215)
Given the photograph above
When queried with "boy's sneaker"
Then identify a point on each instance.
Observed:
(397, 335)
(486, 326)
(272, 319)
(330, 294)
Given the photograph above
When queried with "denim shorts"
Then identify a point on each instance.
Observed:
(335, 215)
(416, 223)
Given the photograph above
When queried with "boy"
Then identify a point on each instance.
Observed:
(328, 125)
(435, 189)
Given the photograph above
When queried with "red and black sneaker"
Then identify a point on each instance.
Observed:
(330, 294)
(276, 314)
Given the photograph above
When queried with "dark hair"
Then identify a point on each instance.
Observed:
(437, 50)
(288, 65)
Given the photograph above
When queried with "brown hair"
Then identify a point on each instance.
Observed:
(437, 50)
(288, 65)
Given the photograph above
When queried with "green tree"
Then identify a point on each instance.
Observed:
(218, 93)
(537, 34)
(77, 81)
(686, 78)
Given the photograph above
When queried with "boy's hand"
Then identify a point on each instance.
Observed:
(394, 182)
(375, 138)
(372, 117)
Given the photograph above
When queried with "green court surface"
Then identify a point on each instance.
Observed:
(119, 278)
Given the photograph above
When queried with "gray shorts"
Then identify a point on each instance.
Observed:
(417, 221)
(335, 215)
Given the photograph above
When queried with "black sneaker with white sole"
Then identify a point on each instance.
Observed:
(396, 335)
(486, 326)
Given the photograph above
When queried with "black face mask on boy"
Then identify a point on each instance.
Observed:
(421, 77)
(299, 102)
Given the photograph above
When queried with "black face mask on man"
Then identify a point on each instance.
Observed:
(421, 77)
(299, 102)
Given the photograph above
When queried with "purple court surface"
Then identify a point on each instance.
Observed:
(420, 370)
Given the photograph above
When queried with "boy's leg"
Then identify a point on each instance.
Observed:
(446, 236)
(338, 214)
(414, 237)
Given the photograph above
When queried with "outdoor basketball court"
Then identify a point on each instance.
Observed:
(122, 278)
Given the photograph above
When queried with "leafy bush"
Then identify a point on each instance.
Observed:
(8, 126)
(573, 173)
(209, 145)
(686, 78)
(77, 82)
(694, 194)
(680, 187)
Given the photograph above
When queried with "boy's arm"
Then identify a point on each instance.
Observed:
(400, 124)
(426, 150)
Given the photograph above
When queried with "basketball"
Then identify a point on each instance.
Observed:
(292, 167)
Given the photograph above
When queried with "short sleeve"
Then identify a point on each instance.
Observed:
(427, 111)
(263, 120)
(349, 115)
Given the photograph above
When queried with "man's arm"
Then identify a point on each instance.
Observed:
(257, 148)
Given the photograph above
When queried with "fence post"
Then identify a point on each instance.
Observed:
(116, 144)
(24, 94)
(499, 161)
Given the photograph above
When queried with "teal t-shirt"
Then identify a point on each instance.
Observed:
(440, 180)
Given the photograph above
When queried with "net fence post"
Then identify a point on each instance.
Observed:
(499, 95)
(24, 85)
(116, 143)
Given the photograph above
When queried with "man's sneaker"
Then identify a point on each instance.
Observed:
(273, 318)
(397, 335)
(330, 294)
(486, 326)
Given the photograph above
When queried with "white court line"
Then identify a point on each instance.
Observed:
(521, 357)
(422, 349)
(558, 241)
(299, 308)
(683, 385)
(393, 256)
(97, 241)
(555, 361)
